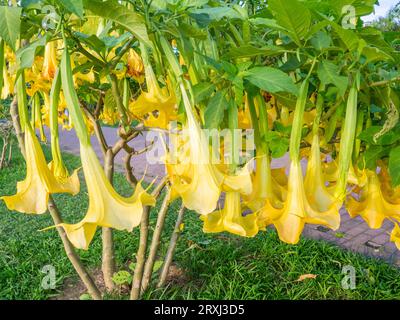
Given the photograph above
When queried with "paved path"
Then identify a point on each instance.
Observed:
(354, 234)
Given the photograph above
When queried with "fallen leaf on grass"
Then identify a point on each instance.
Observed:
(306, 276)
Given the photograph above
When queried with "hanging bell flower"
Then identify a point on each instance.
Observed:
(135, 66)
(373, 207)
(395, 235)
(50, 60)
(316, 191)
(231, 219)
(297, 211)
(106, 207)
(189, 167)
(156, 104)
(265, 186)
(33, 193)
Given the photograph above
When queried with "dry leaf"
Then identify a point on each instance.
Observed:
(306, 276)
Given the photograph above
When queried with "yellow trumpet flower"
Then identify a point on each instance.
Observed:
(135, 66)
(33, 193)
(290, 219)
(231, 219)
(356, 177)
(50, 61)
(392, 195)
(373, 207)
(395, 235)
(190, 170)
(106, 207)
(265, 186)
(316, 191)
(156, 103)
(8, 85)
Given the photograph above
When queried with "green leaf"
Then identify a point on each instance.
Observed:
(394, 166)
(92, 41)
(131, 21)
(202, 91)
(271, 80)
(252, 51)
(157, 265)
(328, 73)
(10, 24)
(217, 13)
(349, 38)
(73, 6)
(293, 16)
(321, 40)
(122, 277)
(214, 113)
(26, 55)
(373, 154)
(265, 22)
(387, 139)
(85, 296)
(277, 143)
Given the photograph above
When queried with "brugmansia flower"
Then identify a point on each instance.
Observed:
(189, 168)
(316, 191)
(290, 218)
(156, 102)
(296, 211)
(264, 186)
(231, 219)
(135, 66)
(395, 235)
(392, 195)
(33, 193)
(37, 83)
(355, 177)
(50, 61)
(8, 85)
(57, 165)
(106, 207)
(373, 207)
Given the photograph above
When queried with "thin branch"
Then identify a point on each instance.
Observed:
(141, 253)
(155, 243)
(17, 126)
(121, 53)
(384, 82)
(118, 98)
(97, 130)
(171, 248)
(108, 255)
(129, 170)
(72, 255)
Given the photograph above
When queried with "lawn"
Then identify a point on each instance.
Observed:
(210, 266)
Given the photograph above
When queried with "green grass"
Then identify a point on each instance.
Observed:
(214, 266)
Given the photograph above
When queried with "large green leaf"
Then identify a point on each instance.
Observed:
(214, 113)
(202, 91)
(348, 36)
(293, 16)
(217, 13)
(252, 51)
(73, 6)
(10, 24)
(271, 80)
(121, 15)
(394, 166)
(26, 55)
(328, 73)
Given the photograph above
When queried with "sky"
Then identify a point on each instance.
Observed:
(382, 9)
